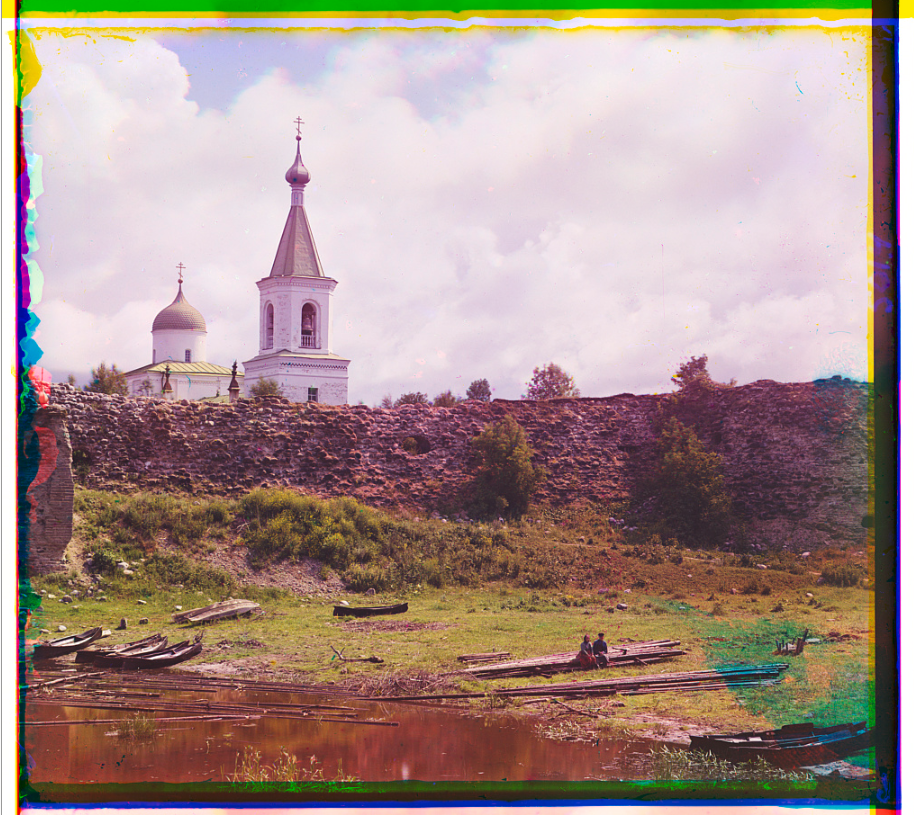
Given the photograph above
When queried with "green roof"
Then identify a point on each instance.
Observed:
(184, 368)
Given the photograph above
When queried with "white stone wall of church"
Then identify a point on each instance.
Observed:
(171, 344)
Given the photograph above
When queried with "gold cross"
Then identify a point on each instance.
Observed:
(298, 124)
(180, 267)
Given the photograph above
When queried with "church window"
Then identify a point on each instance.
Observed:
(308, 326)
(268, 338)
(187, 355)
(312, 394)
(153, 356)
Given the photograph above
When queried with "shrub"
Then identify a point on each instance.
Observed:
(266, 387)
(415, 398)
(842, 575)
(689, 488)
(505, 475)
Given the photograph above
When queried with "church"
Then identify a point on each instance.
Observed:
(296, 320)
(295, 328)
(179, 369)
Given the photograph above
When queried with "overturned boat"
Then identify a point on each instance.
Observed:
(369, 611)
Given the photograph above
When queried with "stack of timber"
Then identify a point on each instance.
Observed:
(477, 658)
(217, 611)
(633, 653)
(683, 682)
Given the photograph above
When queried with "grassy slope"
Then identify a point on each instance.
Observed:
(691, 601)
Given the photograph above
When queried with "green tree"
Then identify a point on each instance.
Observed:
(266, 387)
(694, 375)
(107, 380)
(71, 380)
(446, 399)
(550, 382)
(689, 487)
(387, 402)
(506, 477)
(412, 399)
(479, 391)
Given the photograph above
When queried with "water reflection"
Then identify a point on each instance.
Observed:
(428, 745)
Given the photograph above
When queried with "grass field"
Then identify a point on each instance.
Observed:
(723, 607)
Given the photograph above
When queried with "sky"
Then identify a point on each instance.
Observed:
(614, 200)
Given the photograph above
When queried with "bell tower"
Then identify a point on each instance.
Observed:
(296, 312)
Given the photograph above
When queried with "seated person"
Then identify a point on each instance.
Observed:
(599, 651)
(585, 655)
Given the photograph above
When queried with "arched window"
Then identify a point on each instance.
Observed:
(268, 327)
(308, 326)
(187, 355)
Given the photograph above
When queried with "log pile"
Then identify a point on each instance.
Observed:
(477, 658)
(634, 653)
(683, 682)
(99, 692)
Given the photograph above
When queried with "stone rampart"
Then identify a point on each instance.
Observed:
(795, 455)
(50, 493)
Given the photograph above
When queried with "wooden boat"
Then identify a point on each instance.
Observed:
(223, 610)
(789, 747)
(163, 659)
(369, 611)
(65, 645)
(111, 656)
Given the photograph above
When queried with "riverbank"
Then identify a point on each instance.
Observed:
(529, 588)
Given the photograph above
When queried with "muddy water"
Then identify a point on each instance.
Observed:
(428, 744)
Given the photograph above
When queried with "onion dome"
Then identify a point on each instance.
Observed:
(180, 315)
(298, 173)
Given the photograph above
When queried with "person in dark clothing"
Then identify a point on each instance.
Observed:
(599, 651)
(585, 655)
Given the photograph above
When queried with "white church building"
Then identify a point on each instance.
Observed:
(296, 326)
(179, 369)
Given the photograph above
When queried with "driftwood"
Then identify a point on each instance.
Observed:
(217, 611)
(339, 654)
(65, 679)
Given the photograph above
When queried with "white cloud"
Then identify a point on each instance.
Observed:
(611, 200)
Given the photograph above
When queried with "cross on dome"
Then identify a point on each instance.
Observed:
(180, 267)
(298, 123)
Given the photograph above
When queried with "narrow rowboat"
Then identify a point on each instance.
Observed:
(65, 645)
(369, 611)
(792, 746)
(163, 659)
(110, 656)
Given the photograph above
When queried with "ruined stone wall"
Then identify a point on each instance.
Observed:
(795, 455)
(51, 492)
